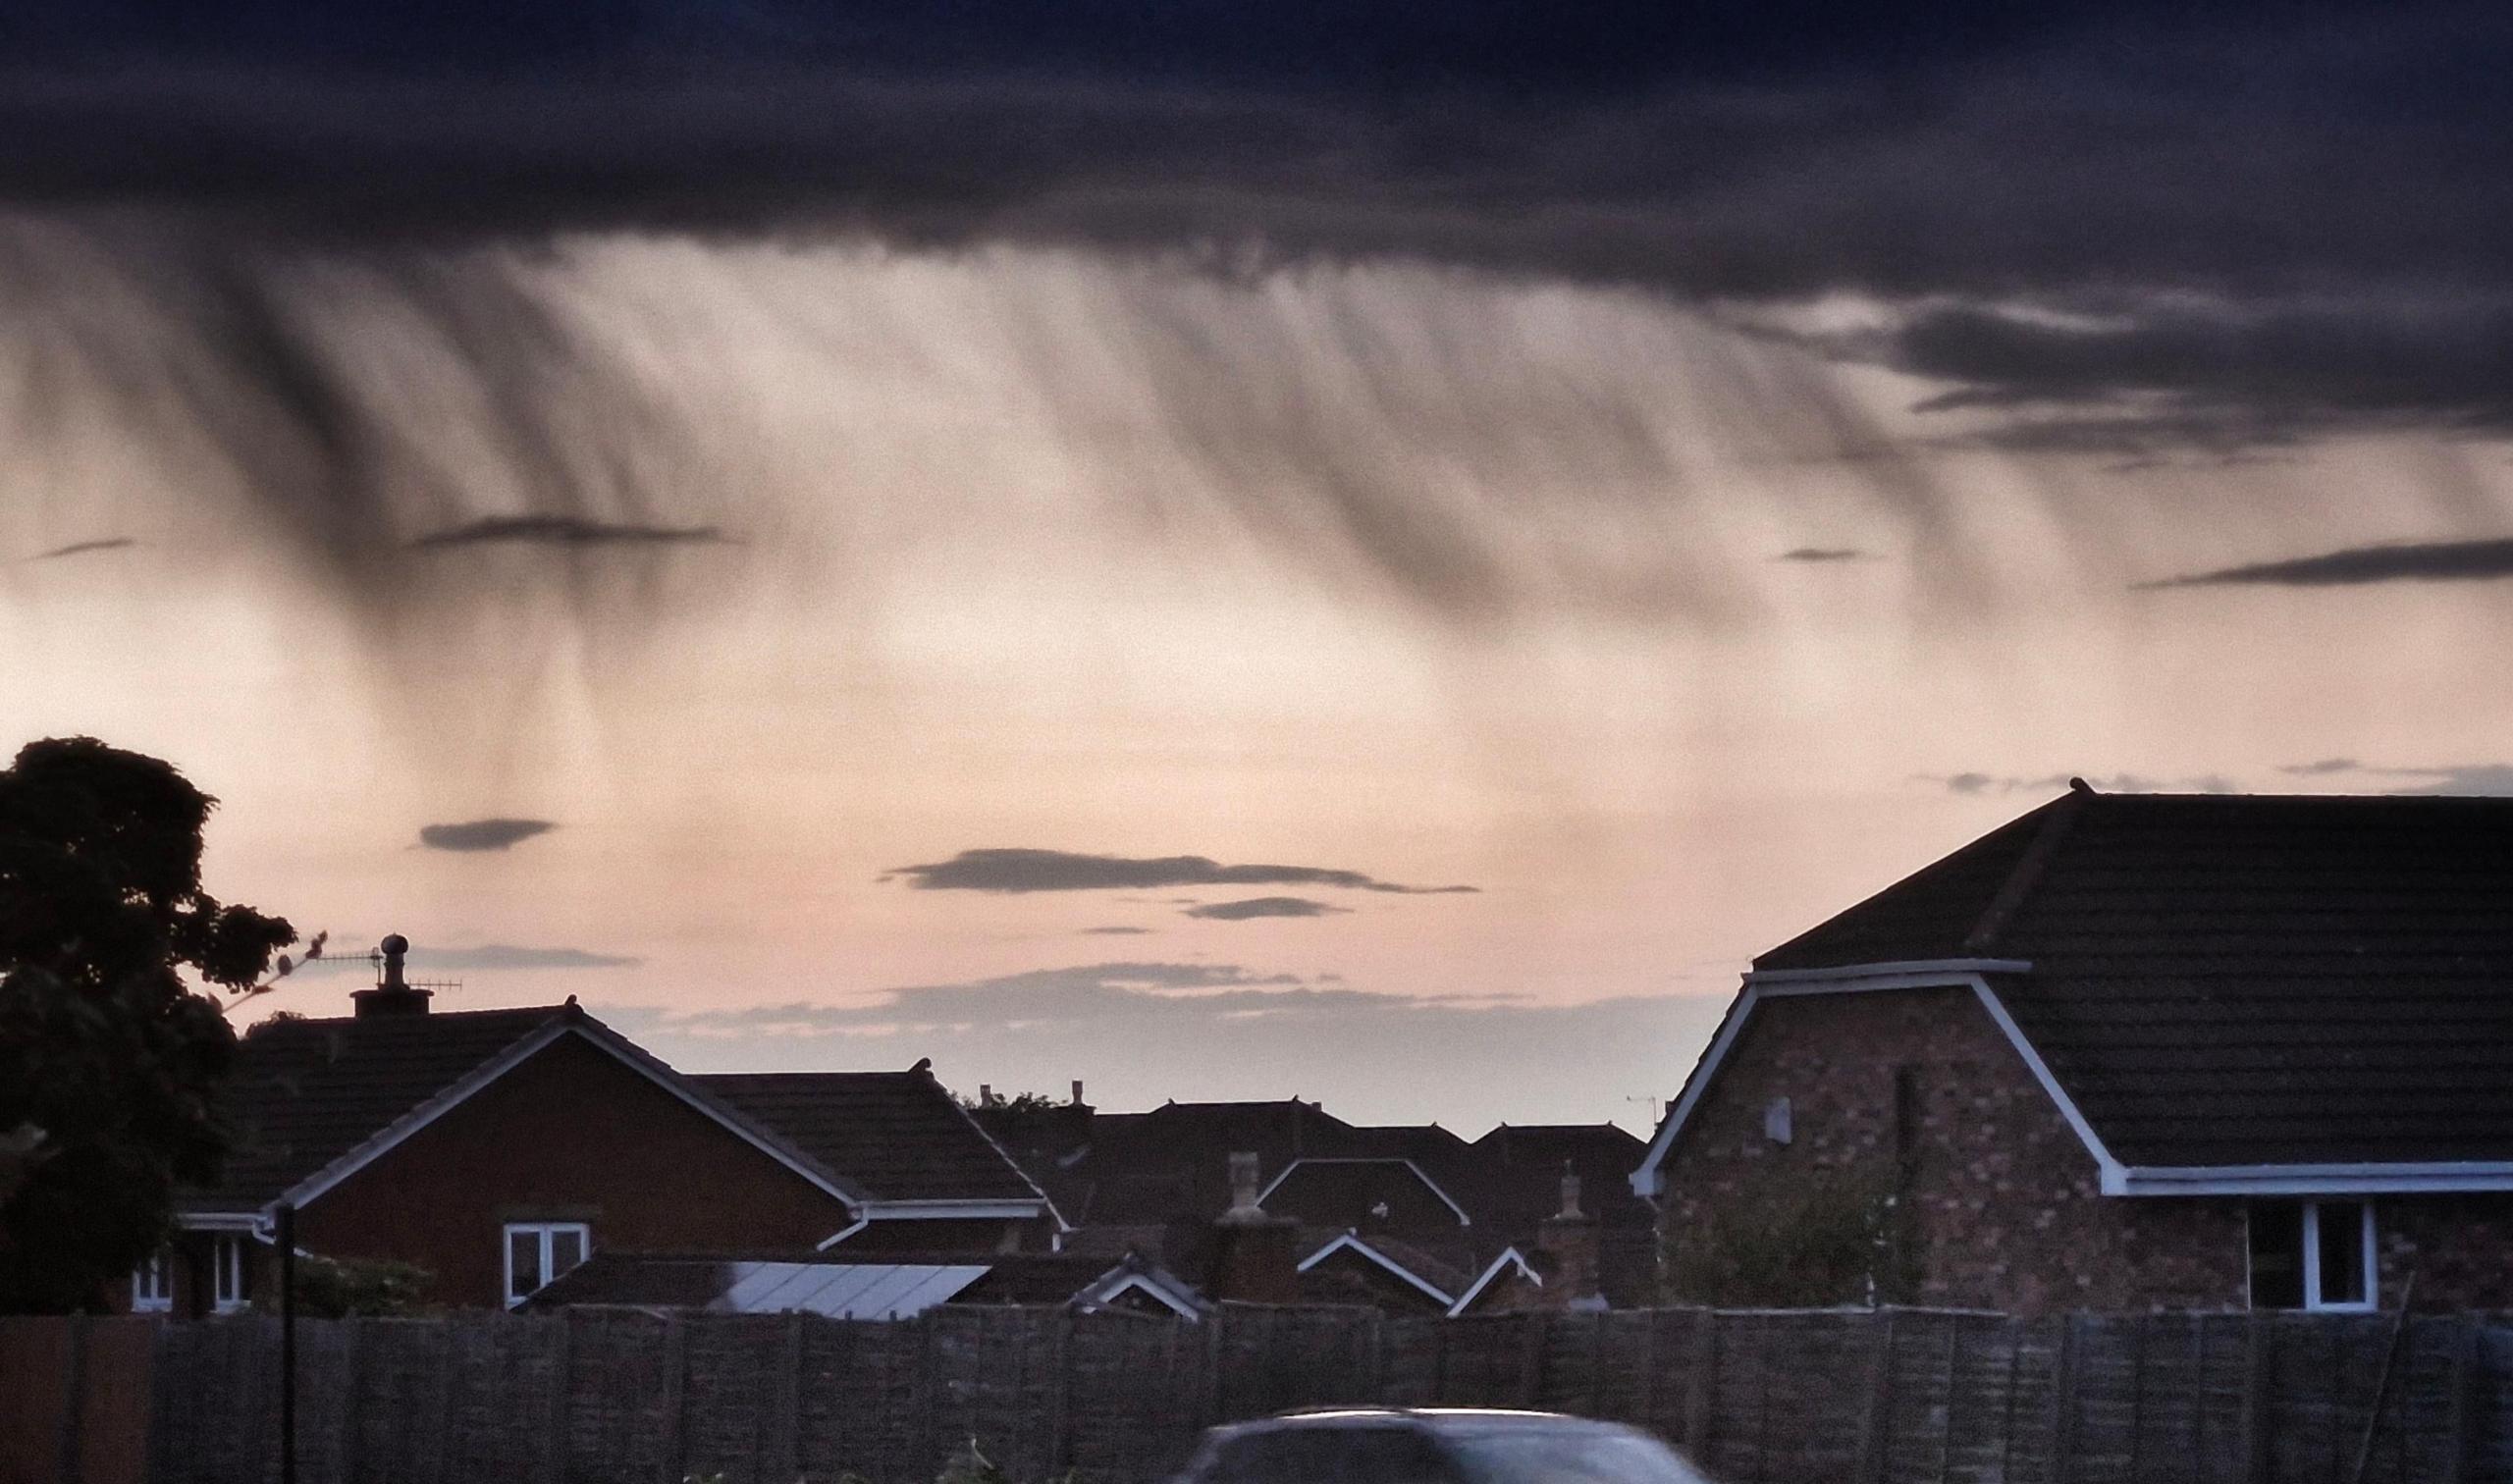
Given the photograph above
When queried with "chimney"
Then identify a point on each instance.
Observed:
(392, 994)
(986, 1096)
(1077, 1092)
(1568, 1238)
(1256, 1257)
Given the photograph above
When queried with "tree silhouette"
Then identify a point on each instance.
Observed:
(108, 1063)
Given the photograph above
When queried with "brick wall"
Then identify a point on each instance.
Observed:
(571, 1136)
(2459, 1248)
(1919, 1089)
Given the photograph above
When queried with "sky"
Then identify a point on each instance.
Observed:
(1233, 550)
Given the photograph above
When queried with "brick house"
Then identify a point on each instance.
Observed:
(2135, 1051)
(496, 1149)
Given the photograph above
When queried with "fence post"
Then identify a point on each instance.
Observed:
(1536, 1326)
(74, 1400)
(676, 1395)
(786, 1410)
(2063, 1400)
(1875, 1432)
(1060, 1398)
(2260, 1401)
(1702, 1384)
(561, 1372)
(2465, 1375)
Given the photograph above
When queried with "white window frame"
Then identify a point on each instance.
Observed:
(2373, 1288)
(545, 1231)
(227, 1275)
(152, 1284)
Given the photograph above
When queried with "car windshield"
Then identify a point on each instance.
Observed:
(1520, 1454)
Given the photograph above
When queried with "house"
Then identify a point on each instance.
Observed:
(496, 1149)
(1408, 1218)
(2133, 1051)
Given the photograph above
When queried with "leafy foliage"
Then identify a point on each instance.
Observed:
(335, 1287)
(1813, 1242)
(108, 1061)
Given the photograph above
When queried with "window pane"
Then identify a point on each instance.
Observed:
(228, 1262)
(567, 1249)
(2342, 1251)
(523, 1261)
(2278, 1256)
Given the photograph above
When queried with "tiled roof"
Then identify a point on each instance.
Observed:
(898, 1136)
(303, 1093)
(2238, 981)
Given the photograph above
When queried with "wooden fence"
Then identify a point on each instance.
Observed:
(1891, 1397)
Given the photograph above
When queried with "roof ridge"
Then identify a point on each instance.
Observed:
(2059, 818)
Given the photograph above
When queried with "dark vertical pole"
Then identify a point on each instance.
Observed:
(287, 1344)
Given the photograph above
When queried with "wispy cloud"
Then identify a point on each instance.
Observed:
(563, 531)
(1264, 907)
(485, 958)
(1023, 869)
(1824, 555)
(482, 834)
(1116, 931)
(86, 547)
(2351, 567)
(2474, 779)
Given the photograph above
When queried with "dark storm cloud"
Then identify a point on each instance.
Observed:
(1022, 870)
(1825, 554)
(1263, 907)
(482, 834)
(2251, 227)
(2350, 566)
(85, 547)
(562, 531)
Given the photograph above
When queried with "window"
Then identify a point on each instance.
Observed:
(228, 1272)
(2312, 1254)
(540, 1250)
(152, 1284)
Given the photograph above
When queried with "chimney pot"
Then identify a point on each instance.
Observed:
(392, 994)
(985, 1095)
(1077, 1092)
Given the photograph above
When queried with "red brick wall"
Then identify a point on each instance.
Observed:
(571, 1134)
(2459, 1248)
(2003, 1202)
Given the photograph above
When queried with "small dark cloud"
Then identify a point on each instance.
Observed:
(1264, 907)
(84, 548)
(2468, 779)
(1022, 870)
(563, 531)
(1825, 554)
(1116, 932)
(482, 834)
(1972, 784)
(2352, 566)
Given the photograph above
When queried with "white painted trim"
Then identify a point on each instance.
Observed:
(1949, 974)
(2443, 1177)
(1429, 1183)
(562, 1024)
(953, 1210)
(545, 1231)
(223, 1221)
(1134, 1281)
(1351, 1242)
(1508, 1256)
(836, 1236)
